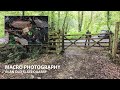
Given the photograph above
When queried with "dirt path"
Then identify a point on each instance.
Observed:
(74, 64)
(81, 64)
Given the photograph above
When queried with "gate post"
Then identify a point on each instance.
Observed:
(62, 40)
(115, 41)
(110, 42)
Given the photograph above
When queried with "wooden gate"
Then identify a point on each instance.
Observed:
(81, 41)
(54, 42)
(59, 42)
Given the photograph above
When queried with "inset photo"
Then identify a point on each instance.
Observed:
(26, 30)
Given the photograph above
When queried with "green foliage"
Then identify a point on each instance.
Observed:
(99, 20)
(17, 54)
(13, 55)
(35, 52)
(6, 13)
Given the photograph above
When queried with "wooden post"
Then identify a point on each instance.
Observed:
(115, 41)
(58, 43)
(63, 40)
(110, 42)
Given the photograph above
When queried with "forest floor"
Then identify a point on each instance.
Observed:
(75, 63)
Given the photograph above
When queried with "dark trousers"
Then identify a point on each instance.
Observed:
(87, 41)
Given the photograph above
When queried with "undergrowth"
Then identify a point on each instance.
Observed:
(16, 54)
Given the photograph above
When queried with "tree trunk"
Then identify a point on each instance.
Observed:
(63, 27)
(108, 20)
(52, 21)
(23, 13)
(115, 41)
(58, 24)
(119, 16)
(90, 20)
(49, 20)
(80, 21)
(66, 29)
(66, 25)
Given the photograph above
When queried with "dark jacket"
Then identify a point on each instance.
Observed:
(88, 36)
